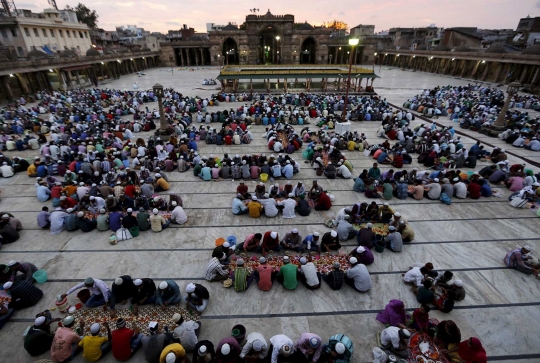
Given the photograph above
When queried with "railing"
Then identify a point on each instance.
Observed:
(473, 54)
(63, 62)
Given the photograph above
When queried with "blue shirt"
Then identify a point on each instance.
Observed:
(382, 157)
(42, 193)
(114, 221)
(238, 206)
(485, 190)
(42, 171)
(206, 173)
(288, 171)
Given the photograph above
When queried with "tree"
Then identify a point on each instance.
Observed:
(336, 25)
(85, 15)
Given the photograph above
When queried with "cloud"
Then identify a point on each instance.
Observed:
(538, 4)
(374, 16)
(341, 13)
(172, 23)
(26, 6)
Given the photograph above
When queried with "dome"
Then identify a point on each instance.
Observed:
(305, 26)
(535, 49)
(496, 48)
(421, 47)
(92, 52)
(462, 48)
(66, 53)
(36, 54)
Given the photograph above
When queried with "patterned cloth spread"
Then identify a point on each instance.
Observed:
(425, 349)
(146, 315)
(378, 228)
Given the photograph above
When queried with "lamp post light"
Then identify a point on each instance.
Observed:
(352, 42)
(513, 88)
(277, 48)
(163, 125)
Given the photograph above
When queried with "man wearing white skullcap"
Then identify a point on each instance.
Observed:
(228, 350)
(157, 222)
(145, 293)
(363, 255)
(395, 340)
(224, 249)
(99, 291)
(154, 343)
(270, 242)
(293, 241)
(160, 184)
(288, 274)
(197, 296)
(358, 276)
(38, 339)
(330, 241)
(66, 341)
(309, 275)
(168, 294)
(256, 347)
(171, 353)
(204, 352)
(23, 293)
(280, 345)
(339, 348)
(311, 243)
(121, 290)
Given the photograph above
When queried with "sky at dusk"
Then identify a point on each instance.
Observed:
(162, 15)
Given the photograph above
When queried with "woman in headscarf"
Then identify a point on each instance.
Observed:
(468, 351)
(394, 314)
(449, 336)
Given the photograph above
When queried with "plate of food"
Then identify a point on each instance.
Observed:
(420, 359)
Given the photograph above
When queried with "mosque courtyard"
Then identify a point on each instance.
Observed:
(469, 237)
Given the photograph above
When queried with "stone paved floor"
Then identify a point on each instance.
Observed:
(469, 237)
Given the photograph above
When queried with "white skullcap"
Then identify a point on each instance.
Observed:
(163, 285)
(303, 260)
(130, 210)
(333, 233)
(118, 281)
(202, 350)
(353, 260)
(458, 283)
(7, 285)
(360, 249)
(295, 231)
(155, 211)
(226, 245)
(170, 358)
(397, 214)
(316, 234)
(80, 214)
(340, 348)
(273, 234)
(94, 329)
(369, 225)
(225, 349)
(39, 321)
(190, 288)
(158, 175)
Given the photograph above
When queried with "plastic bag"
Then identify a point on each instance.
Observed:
(123, 234)
(112, 239)
(379, 355)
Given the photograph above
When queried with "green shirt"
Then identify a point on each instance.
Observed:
(289, 273)
(387, 191)
(425, 296)
(240, 279)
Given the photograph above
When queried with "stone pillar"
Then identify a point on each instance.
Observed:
(194, 50)
(486, 71)
(464, 69)
(536, 76)
(202, 56)
(7, 88)
(475, 70)
(523, 76)
(23, 83)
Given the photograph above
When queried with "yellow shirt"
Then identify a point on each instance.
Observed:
(175, 348)
(351, 146)
(92, 347)
(163, 184)
(156, 221)
(32, 169)
(255, 209)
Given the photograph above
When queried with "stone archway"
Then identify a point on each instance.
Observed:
(308, 52)
(270, 45)
(230, 51)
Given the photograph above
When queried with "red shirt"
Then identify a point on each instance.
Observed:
(121, 347)
(242, 189)
(68, 203)
(324, 202)
(243, 127)
(474, 190)
(265, 275)
(228, 140)
(56, 191)
(130, 191)
(269, 242)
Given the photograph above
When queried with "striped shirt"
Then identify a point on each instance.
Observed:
(213, 269)
(514, 258)
(105, 166)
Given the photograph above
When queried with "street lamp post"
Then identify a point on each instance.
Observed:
(513, 88)
(163, 125)
(277, 49)
(352, 42)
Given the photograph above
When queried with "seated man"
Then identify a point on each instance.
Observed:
(335, 277)
(187, 332)
(242, 277)
(309, 275)
(204, 352)
(145, 294)
(363, 255)
(265, 275)
(395, 340)
(270, 243)
(393, 240)
(38, 339)
(26, 270)
(250, 244)
(424, 293)
(65, 345)
(514, 259)
(255, 349)
(121, 290)
(339, 349)
(345, 230)
(154, 343)
(125, 342)
(173, 353)
(168, 294)
(358, 276)
(330, 241)
(288, 274)
(215, 270)
(310, 243)
(23, 294)
(100, 293)
(293, 241)
(197, 297)
(406, 231)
